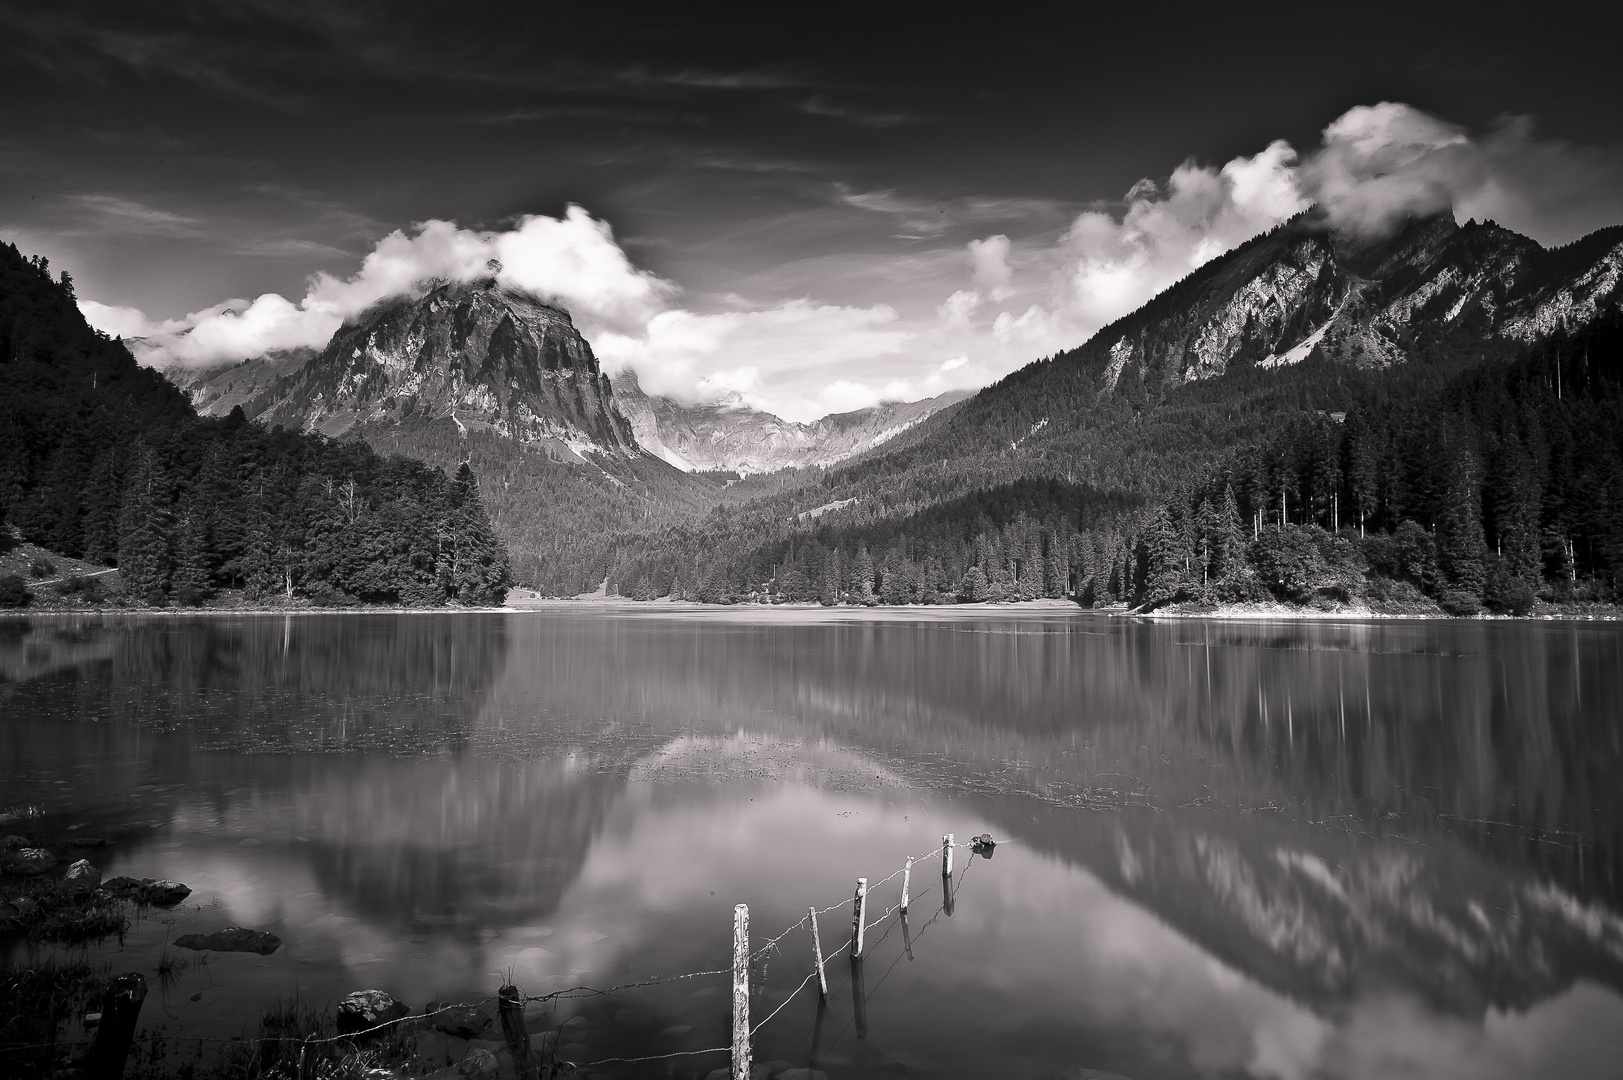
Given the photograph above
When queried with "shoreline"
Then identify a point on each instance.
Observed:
(1272, 612)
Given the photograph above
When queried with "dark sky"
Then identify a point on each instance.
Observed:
(171, 155)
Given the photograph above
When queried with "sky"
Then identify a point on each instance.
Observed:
(806, 209)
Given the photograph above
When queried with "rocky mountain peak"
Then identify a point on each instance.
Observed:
(473, 353)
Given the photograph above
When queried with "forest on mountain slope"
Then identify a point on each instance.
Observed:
(1485, 484)
(104, 460)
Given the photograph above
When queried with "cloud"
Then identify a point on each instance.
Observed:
(802, 345)
(573, 260)
(1374, 166)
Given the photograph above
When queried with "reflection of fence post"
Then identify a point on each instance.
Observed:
(859, 998)
(510, 1008)
(120, 1007)
(741, 992)
(857, 917)
(907, 881)
(817, 951)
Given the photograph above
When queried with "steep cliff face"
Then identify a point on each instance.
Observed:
(1303, 290)
(483, 357)
(734, 437)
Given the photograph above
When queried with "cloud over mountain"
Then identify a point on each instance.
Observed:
(1016, 299)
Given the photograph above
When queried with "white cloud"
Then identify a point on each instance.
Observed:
(1010, 300)
(573, 260)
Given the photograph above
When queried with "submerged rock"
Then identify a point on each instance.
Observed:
(480, 1064)
(81, 877)
(13, 842)
(461, 1021)
(148, 890)
(365, 1009)
(232, 939)
(982, 845)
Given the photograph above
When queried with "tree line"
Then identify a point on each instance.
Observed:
(103, 460)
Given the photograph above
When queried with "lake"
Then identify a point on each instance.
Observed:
(1366, 849)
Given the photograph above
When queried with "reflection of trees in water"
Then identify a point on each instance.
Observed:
(298, 682)
(1458, 726)
(1301, 746)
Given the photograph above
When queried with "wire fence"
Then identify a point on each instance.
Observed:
(760, 954)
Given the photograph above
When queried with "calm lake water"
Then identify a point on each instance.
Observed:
(1288, 850)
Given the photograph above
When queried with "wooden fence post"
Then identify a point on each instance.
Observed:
(741, 992)
(946, 855)
(510, 1008)
(120, 1008)
(907, 881)
(817, 951)
(858, 917)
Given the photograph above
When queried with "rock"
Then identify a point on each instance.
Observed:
(163, 893)
(232, 939)
(87, 841)
(366, 1009)
(1081, 1073)
(766, 1070)
(32, 860)
(480, 1064)
(982, 845)
(147, 890)
(802, 1074)
(433, 1048)
(13, 842)
(92, 1020)
(461, 1021)
(81, 877)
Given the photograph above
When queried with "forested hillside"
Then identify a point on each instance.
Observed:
(105, 460)
(1338, 448)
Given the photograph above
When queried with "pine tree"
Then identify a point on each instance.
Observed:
(193, 578)
(145, 524)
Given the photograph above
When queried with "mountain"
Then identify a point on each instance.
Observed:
(1240, 375)
(482, 357)
(103, 460)
(733, 437)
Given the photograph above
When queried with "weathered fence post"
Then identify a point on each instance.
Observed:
(858, 917)
(907, 936)
(817, 951)
(946, 855)
(120, 1007)
(907, 881)
(510, 1008)
(741, 992)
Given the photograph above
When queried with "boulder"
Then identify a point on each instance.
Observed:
(366, 1009)
(32, 860)
(81, 877)
(461, 1021)
(232, 939)
(982, 845)
(480, 1064)
(13, 842)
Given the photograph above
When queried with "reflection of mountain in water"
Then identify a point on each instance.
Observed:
(1426, 804)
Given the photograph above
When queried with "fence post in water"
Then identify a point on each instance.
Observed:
(741, 992)
(907, 880)
(859, 998)
(946, 855)
(817, 951)
(120, 1007)
(510, 1008)
(858, 915)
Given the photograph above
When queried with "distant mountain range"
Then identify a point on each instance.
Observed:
(1299, 318)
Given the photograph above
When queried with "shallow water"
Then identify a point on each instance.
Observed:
(1365, 849)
